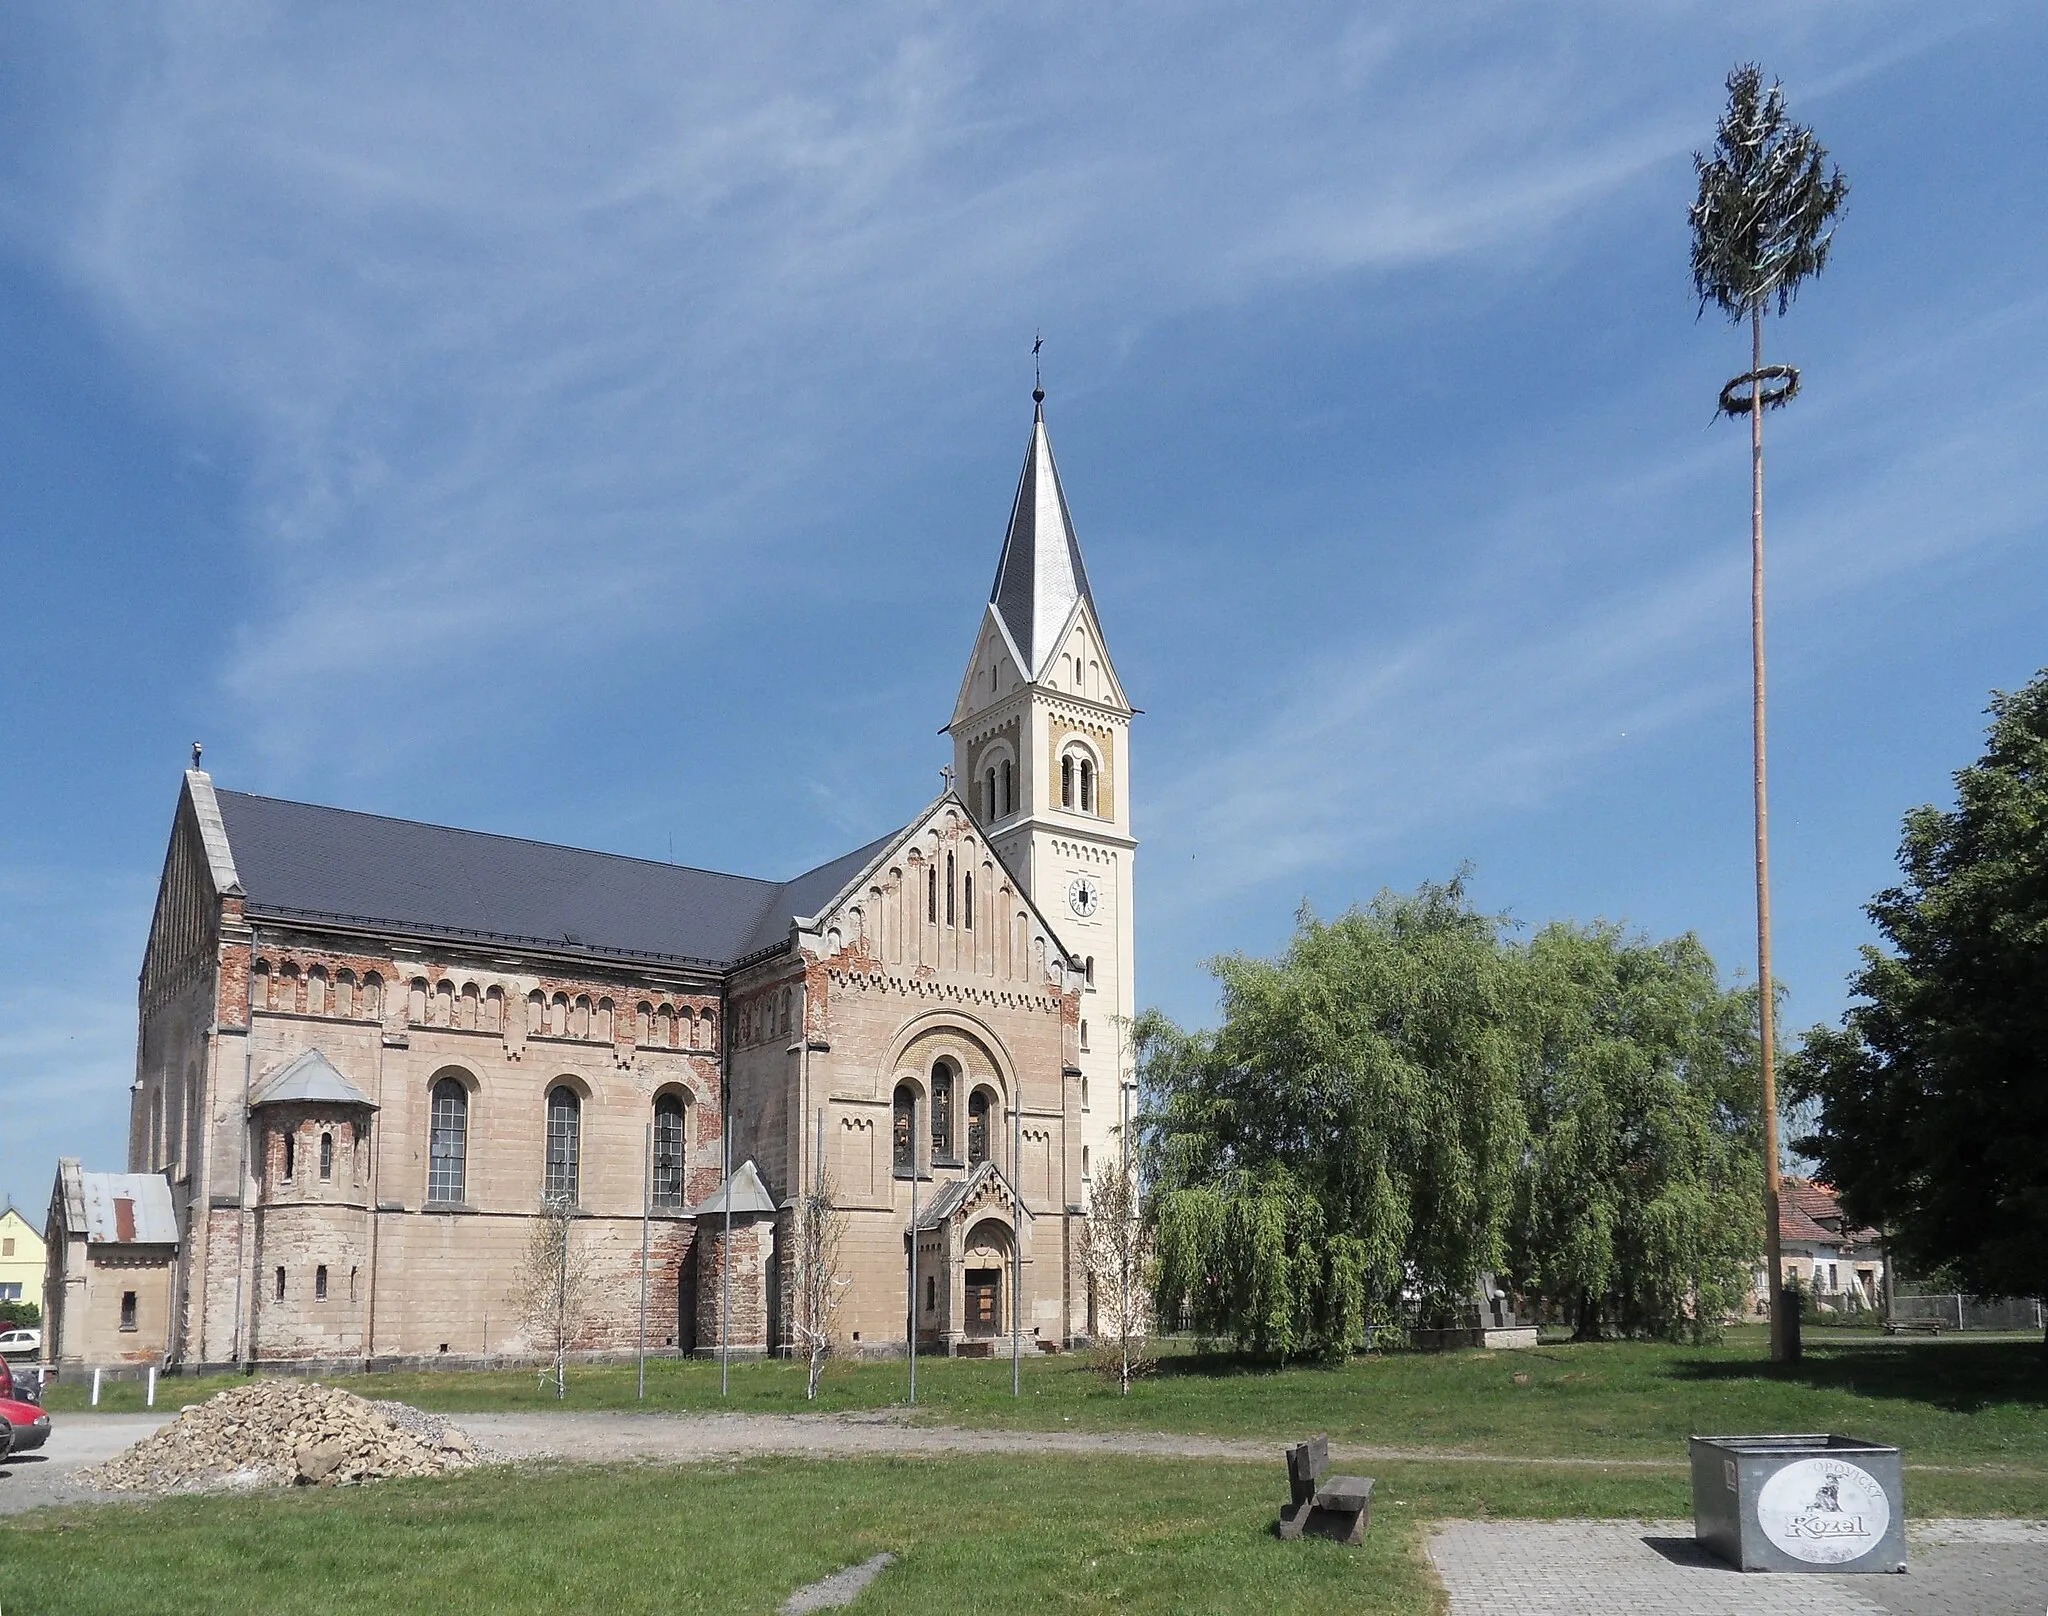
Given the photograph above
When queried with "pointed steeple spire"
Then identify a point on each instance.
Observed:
(1041, 573)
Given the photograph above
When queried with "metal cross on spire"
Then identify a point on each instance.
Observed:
(1037, 377)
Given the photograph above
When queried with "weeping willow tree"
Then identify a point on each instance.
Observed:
(1346, 1141)
(1407, 1100)
(1639, 1206)
(1763, 223)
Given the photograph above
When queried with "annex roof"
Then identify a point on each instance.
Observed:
(127, 1209)
(958, 1193)
(300, 861)
(1041, 574)
(312, 1079)
(748, 1194)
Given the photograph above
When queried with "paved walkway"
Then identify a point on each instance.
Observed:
(1629, 1568)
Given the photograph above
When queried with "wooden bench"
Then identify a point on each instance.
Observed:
(1912, 1327)
(1338, 1507)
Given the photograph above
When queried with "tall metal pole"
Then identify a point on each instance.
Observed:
(1783, 1341)
(646, 1206)
(1017, 1243)
(910, 1337)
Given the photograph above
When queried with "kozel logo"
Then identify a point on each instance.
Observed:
(1824, 1511)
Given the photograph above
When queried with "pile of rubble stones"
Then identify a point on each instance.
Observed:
(275, 1432)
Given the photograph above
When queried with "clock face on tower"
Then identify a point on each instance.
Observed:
(1084, 897)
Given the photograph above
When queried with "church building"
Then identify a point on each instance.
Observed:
(371, 1051)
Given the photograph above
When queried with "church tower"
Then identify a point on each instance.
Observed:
(1041, 751)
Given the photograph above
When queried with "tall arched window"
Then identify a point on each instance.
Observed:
(931, 893)
(989, 809)
(977, 1126)
(1067, 781)
(942, 1109)
(903, 1137)
(326, 1155)
(565, 1142)
(448, 1141)
(967, 897)
(952, 912)
(1009, 788)
(1087, 786)
(668, 1153)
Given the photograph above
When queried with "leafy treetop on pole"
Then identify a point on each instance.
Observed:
(1764, 220)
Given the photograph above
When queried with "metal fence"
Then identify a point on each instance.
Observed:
(1971, 1312)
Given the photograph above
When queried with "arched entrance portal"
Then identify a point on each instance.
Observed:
(985, 1264)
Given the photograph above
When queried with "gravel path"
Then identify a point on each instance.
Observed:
(688, 1437)
(30, 1481)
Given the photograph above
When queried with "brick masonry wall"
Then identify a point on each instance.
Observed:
(92, 1332)
(899, 992)
(426, 1279)
(753, 1243)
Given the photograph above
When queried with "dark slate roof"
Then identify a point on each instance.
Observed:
(299, 861)
(1041, 573)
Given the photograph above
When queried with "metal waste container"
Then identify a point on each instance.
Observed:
(1799, 1503)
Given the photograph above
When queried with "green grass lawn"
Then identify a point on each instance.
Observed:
(1039, 1535)
(1027, 1534)
(1945, 1400)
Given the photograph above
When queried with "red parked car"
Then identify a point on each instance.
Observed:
(28, 1425)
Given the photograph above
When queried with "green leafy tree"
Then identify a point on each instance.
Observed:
(1350, 1132)
(1932, 1095)
(1640, 1205)
(1763, 223)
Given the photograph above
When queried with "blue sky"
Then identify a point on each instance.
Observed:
(598, 424)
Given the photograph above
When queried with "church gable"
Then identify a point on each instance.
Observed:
(1079, 665)
(939, 898)
(198, 871)
(995, 672)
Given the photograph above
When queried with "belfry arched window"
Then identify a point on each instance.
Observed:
(1009, 788)
(448, 1140)
(668, 1153)
(988, 802)
(942, 1108)
(1067, 781)
(565, 1143)
(977, 1126)
(903, 1137)
(1087, 786)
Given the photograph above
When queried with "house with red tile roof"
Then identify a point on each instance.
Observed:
(1839, 1265)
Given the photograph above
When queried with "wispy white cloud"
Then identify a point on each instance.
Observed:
(1503, 704)
(527, 322)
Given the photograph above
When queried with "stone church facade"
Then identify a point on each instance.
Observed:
(370, 1051)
